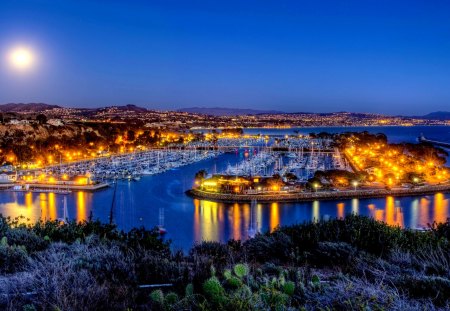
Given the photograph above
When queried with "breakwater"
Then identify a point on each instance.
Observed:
(320, 195)
(434, 142)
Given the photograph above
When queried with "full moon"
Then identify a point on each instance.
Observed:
(21, 58)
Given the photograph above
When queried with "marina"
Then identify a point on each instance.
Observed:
(263, 155)
(130, 166)
(301, 164)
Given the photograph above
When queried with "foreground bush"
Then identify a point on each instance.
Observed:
(354, 263)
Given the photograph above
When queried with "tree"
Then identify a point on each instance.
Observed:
(131, 135)
(200, 175)
(24, 153)
(290, 177)
(275, 182)
(42, 119)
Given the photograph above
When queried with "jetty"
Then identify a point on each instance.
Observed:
(423, 139)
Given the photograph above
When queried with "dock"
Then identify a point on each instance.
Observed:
(38, 187)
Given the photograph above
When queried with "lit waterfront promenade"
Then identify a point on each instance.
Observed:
(319, 195)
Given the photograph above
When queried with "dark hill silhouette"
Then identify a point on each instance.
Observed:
(30, 107)
(438, 115)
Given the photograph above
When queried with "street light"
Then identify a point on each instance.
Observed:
(355, 184)
(316, 186)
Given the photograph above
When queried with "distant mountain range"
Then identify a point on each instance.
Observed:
(438, 115)
(216, 111)
(220, 111)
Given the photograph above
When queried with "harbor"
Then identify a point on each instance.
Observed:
(187, 219)
(263, 155)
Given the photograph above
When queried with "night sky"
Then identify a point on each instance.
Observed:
(380, 56)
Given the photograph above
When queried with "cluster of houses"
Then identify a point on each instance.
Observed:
(8, 174)
(54, 122)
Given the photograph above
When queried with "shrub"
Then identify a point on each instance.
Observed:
(435, 288)
(107, 263)
(189, 291)
(73, 231)
(441, 230)
(27, 238)
(356, 294)
(332, 254)
(234, 282)
(361, 232)
(289, 288)
(433, 261)
(152, 267)
(217, 253)
(157, 296)
(272, 247)
(171, 298)
(147, 239)
(241, 270)
(59, 283)
(98, 267)
(12, 258)
(214, 291)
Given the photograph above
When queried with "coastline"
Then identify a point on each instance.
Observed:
(321, 195)
(324, 126)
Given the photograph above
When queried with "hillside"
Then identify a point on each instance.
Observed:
(30, 107)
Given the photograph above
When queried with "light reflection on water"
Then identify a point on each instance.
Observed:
(44, 206)
(215, 221)
(440, 208)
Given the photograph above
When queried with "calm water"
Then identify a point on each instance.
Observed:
(188, 220)
(395, 134)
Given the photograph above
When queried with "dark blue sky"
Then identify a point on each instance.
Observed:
(366, 56)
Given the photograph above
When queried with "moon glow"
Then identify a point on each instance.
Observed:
(21, 58)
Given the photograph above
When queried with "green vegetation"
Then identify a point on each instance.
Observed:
(354, 263)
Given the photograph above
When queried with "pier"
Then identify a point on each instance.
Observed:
(41, 187)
